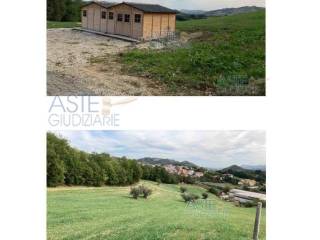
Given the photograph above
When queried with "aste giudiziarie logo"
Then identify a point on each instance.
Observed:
(85, 111)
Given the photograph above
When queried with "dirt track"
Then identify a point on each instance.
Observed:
(81, 63)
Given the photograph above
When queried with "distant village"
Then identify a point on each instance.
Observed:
(234, 184)
(183, 171)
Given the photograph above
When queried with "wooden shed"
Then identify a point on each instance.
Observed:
(135, 20)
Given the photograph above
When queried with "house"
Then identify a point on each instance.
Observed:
(242, 196)
(135, 20)
(170, 168)
(247, 182)
(198, 174)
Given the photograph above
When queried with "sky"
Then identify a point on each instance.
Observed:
(202, 4)
(212, 149)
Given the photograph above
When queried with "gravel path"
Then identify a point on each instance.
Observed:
(80, 63)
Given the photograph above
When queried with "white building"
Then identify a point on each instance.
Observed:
(245, 196)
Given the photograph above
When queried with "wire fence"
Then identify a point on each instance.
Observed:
(164, 39)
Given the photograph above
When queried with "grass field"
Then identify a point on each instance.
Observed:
(109, 213)
(230, 52)
(51, 24)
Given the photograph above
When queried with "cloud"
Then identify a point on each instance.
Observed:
(206, 148)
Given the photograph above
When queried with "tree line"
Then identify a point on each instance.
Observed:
(64, 10)
(69, 166)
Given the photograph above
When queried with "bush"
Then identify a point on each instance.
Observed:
(226, 189)
(249, 204)
(141, 190)
(214, 191)
(135, 192)
(146, 192)
(183, 189)
(189, 197)
(205, 195)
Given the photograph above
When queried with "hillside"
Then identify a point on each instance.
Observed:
(109, 213)
(196, 12)
(232, 11)
(162, 161)
(255, 167)
(222, 56)
(240, 172)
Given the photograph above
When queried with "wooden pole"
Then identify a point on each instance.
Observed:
(257, 222)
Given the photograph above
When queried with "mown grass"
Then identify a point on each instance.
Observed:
(109, 213)
(230, 52)
(52, 24)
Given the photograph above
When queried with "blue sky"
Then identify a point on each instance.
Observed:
(215, 149)
(203, 4)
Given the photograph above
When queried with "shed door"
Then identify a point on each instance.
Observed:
(123, 24)
(90, 14)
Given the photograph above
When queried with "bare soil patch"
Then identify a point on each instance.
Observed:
(80, 63)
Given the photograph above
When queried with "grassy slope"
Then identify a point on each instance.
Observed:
(51, 24)
(232, 49)
(109, 213)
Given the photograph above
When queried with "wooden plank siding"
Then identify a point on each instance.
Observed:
(152, 25)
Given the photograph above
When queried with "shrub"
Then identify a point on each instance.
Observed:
(205, 195)
(145, 191)
(214, 191)
(248, 204)
(135, 192)
(183, 189)
(226, 189)
(189, 197)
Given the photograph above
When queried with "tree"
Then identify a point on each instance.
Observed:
(56, 148)
(55, 9)
(55, 169)
(135, 192)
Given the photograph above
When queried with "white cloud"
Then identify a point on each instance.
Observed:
(205, 148)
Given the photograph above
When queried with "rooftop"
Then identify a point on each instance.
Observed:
(242, 193)
(148, 8)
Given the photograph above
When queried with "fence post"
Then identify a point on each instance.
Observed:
(257, 222)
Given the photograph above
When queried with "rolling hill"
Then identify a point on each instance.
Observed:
(223, 11)
(163, 161)
(232, 11)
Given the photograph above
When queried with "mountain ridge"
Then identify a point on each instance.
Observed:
(222, 11)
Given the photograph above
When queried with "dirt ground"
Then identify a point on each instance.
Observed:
(80, 63)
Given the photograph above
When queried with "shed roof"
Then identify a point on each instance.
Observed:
(100, 3)
(148, 8)
(247, 194)
(151, 8)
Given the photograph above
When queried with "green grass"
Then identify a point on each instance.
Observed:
(230, 52)
(109, 213)
(52, 24)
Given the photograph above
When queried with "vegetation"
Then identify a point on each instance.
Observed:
(135, 192)
(189, 197)
(64, 10)
(67, 165)
(228, 59)
(108, 213)
(145, 191)
(215, 191)
(185, 17)
(205, 195)
(159, 175)
(183, 189)
(258, 175)
(53, 24)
